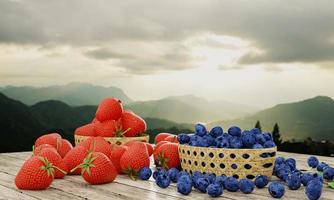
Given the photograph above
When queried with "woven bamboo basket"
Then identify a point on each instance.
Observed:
(239, 163)
(114, 140)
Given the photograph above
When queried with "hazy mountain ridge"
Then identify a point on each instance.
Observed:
(312, 117)
(74, 94)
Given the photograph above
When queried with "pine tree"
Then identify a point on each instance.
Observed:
(276, 135)
(258, 125)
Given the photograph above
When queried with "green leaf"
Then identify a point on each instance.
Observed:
(320, 174)
(331, 184)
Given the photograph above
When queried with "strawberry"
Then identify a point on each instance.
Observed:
(97, 169)
(108, 128)
(109, 109)
(172, 138)
(86, 143)
(132, 124)
(116, 155)
(160, 137)
(53, 139)
(97, 144)
(149, 148)
(38, 149)
(129, 143)
(134, 159)
(35, 174)
(75, 157)
(64, 148)
(95, 120)
(56, 160)
(86, 130)
(167, 156)
(159, 144)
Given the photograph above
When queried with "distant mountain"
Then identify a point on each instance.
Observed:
(189, 109)
(74, 94)
(312, 118)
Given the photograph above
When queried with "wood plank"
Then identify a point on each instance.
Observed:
(8, 193)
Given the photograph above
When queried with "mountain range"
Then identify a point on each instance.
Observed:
(181, 109)
(312, 118)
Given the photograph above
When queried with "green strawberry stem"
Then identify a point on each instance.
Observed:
(87, 163)
(132, 173)
(331, 184)
(161, 160)
(48, 167)
(62, 171)
(120, 133)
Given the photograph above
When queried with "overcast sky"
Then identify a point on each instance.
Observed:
(258, 52)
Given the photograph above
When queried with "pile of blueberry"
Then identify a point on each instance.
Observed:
(214, 186)
(234, 138)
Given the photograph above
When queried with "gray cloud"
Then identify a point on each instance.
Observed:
(106, 54)
(298, 31)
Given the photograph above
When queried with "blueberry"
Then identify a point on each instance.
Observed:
(172, 174)
(234, 131)
(193, 138)
(231, 184)
(202, 142)
(210, 177)
(305, 178)
(216, 131)
(260, 139)
(313, 161)
(246, 186)
(328, 173)
(184, 187)
(162, 181)
(257, 146)
(261, 181)
(211, 141)
(185, 178)
(313, 190)
(293, 181)
(318, 177)
(291, 163)
(215, 190)
(145, 173)
(223, 144)
(181, 173)
(279, 160)
(256, 131)
(200, 130)
(220, 180)
(158, 172)
(269, 144)
(276, 189)
(248, 139)
(202, 184)
(321, 166)
(195, 176)
(236, 142)
(183, 138)
(267, 136)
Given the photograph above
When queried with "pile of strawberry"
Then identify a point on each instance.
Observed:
(94, 159)
(112, 121)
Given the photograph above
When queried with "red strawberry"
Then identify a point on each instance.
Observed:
(160, 137)
(108, 128)
(97, 169)
(97, 144)
(134, 159)
(56, 160)
(95, 120)
(132, 124)
(37, 150)
(167, 155)
(35, 174)
(85, 130)
(75, 157)
(129, 143)
(116, 155)
(65, 147)
(109, 109)
(53, 139)
(159, 144)
(149, 148)
(172, 138)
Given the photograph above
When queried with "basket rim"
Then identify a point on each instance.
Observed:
(142, 136)
(263, 149)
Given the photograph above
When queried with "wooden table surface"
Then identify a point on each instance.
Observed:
(74, 187)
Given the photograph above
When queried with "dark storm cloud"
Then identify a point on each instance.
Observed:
(297, 31)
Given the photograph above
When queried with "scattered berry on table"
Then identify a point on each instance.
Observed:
(210, 177)
(321, 166)
(246, 186)
(276, 189)
(145, 173)
(328, 173)
(184, 187)
(313, 161)
(215, 190)
(261, 181)
(293, 181)
(182, 173)
(313, 189)
(220, 180)
(158, 172)
(202, 184)
(162, 181)
(305, 178)
(231, 184)
(173, 174)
